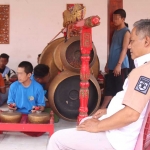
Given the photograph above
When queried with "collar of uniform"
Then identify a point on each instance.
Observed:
(141, 60)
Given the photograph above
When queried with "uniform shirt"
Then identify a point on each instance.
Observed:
(135, 94)
(26, 97)
(116, 49)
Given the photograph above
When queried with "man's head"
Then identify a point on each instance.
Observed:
(4, 58)
(140, 38)
(119, 16)
(24, 71)
(41, 73)
(38, 58)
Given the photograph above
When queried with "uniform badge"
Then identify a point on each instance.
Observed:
(143, 85)
(31, 98)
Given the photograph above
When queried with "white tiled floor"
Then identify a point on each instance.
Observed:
(20, 141)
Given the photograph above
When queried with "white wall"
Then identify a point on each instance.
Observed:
(33, 23)
(136, 10)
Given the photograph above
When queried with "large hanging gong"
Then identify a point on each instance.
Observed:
(70, 54)
(64, 95)
(60, 55)
(47, 57)
(95, 68)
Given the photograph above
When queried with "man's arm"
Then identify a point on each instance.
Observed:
(100, 113)
(40, 98)
(2, 85)
(11, 95)
(126, 40)
(120, 119)
(3, 90)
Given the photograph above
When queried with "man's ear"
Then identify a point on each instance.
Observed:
(147, 41)
(29, 75)
(38, 79)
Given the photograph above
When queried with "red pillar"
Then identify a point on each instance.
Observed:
(112, 6)
(86, 47)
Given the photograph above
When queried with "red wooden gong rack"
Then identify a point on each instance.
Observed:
(24, 126)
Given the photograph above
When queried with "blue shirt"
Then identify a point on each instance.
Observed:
(32, 78)
(116, 48)
(26, 97)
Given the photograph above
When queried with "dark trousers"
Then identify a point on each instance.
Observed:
(114, 84)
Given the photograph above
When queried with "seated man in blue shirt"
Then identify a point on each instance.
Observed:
(25, 93)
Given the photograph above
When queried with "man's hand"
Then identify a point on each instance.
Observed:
(12, 106)
(99, 113)
(89, 125)
(117, 70)
(106, 68)
(37, 108)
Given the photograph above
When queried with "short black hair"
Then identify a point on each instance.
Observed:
(3, 55)
(120, 12)
(28, 68)
(40, 71)
(39, 55)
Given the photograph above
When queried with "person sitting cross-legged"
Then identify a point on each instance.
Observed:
(118, 127)
(25, 93)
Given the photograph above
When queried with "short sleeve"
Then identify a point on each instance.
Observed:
(138, 93)
(11, 95)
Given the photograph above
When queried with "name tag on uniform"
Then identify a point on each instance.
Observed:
(143, 85)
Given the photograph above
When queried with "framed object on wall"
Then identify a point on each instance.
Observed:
(4, 24)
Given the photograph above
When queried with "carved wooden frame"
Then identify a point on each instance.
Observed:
(4, 24)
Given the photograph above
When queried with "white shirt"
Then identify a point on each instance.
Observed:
(125, 138)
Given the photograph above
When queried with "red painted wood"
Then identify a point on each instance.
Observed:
(86, 46)
(4, 24)
(85, 28)
(112, 6)
(28, 127)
